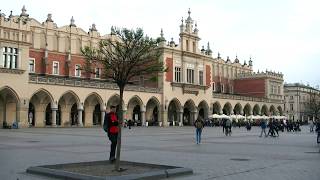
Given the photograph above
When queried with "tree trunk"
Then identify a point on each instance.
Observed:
(117, 164)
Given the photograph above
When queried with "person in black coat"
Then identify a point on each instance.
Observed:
(110, 126)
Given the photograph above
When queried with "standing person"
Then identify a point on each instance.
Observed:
(110, 125)
(130, 123)
(30, 118)
(198, 124)
(228, 127)
(311, 125)
(263, 125)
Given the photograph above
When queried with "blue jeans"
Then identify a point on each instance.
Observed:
(198, 135)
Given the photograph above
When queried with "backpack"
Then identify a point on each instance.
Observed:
(199, 124)
(228, 123)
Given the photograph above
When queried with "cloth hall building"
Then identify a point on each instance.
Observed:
(41, 82)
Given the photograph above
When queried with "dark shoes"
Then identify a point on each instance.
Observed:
(112, 160)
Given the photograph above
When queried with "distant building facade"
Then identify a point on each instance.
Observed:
(296, 99)
(41, 78)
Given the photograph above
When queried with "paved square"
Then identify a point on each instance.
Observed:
(242, 156)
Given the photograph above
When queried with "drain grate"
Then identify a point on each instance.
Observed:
(239, 159)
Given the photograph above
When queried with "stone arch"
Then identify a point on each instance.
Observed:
(174, 109)
(280, 110)
(216, 108)
(247, 110)
(237, 109)
(136, 110)
(71, 109)
(264, 110)
(203, 108)
(93, 109)
(40, 108)
(256, 110)
(272, 110)
(153, 111)
(227, 108)
(9, 101)
(189, 112)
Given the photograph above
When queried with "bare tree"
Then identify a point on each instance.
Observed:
(313, 106)
(125, 55)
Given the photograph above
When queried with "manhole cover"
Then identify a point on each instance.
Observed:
(239, 159)
(312, 152)
(32, 141)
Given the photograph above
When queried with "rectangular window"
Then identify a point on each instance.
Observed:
(97, 73)
(177, 74)
(10, 57)
(55, 68)
(291, 97)
(190, 76)
(278, 89)
(77, 70)
(32, 65)
(291, 107)
(187, 45)
(201, 77)
(222, 88)
(194, 46)
(214, 86)
(284, 107)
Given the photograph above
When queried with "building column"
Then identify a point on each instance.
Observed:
(80, 110)
(54, 118)
(163, 117)
(143, 116)
(103, 113)
(54, 108)
(22, 113)
(194, 117)
(181, 118)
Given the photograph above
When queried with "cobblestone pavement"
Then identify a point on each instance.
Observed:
(242, 156)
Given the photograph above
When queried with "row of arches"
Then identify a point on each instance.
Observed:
(187, 114)
(42, 110)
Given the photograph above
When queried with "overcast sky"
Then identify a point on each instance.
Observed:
(279, 35)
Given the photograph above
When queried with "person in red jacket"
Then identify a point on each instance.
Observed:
(110, 125)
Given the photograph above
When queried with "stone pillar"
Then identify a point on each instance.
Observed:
(22, 113)
(80, 110)
(181, 118)
(164, 118)
(54, 118)
(103, 113)
(143, 116)
(80, 117)
(194, 117)
(54, 109)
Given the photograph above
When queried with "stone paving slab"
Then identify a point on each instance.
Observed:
(99, 170)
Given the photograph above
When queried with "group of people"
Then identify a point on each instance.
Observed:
(111, 127)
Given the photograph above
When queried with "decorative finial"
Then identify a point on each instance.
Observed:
(10, 16)
(196, 30)
(49, 18)
(245, 62)
(93, 27)
(182, 21)
(189, 12)
(23, 12)
(219, 57)
(203, 50)
(172, 43)
(236, 60)
(250, 62)
(161, 33)
(72, 22)
(209, 51)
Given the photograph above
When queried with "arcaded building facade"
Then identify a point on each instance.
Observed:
(42, 84)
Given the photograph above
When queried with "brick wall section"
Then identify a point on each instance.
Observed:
(169, 73)
(61, 58)
(250, 87)
(208, 76)
(38, 56)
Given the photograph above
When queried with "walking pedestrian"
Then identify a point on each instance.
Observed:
(198, 124)
(263, 125)
(110, 125)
